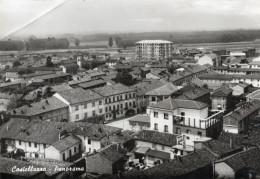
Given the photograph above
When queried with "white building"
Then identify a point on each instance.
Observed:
(83, 104)
(119, 100)
(177, 116)
(154, 49)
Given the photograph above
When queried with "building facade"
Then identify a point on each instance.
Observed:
(153, 49)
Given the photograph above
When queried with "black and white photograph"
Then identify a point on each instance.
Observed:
(129, 89)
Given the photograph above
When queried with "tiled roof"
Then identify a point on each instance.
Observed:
(82, 80)
(6, 165)
(171, 104)
(50, 76)
(122, 137)
(92, 83)
(227, 76)
(164, 90)
(195, 68)
(194, 94)
(146, 86)
(255, 94)
(47, 132)
(222, 91)
(113, 90)
(241, 112)
(174, 168)
(237, 139)
(40, 107)
(158, 154)
(78, 95)
(157, 137)
(140, 118)
(221, 148)
(66, 143)
(248, 159)
(112, 152)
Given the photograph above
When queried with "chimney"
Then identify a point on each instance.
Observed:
(7, 128)
(184, 141)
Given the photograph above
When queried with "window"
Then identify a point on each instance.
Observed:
(44, 146)
(121, 105)
(134, 104)
(100, 102)
(89, 141)
(156, 126)
(183, 116)
(199, 133)
(165, 128)
(126, 96)
(118, 107)
(70, 153)
(35, 145)
(93, 113)
(130, 96)
(155, 114)
(188, 138)
(85, 105)
(20, 142)
(166, 116)
(100, 110)
(77, 116)
(75, 149)
(106, 109)
(178, 131)
(121, 97)
(133, 95)
(114, 107)
(109, 108)
(85, 115)
(153, 98)
(89, 150)
(63, 156)
(130, 104)
(109, 100)
(114, 99)
(29, 144)
(117, 98)
(188, 131)
(106, 100)
(76, 108)
(93, 104)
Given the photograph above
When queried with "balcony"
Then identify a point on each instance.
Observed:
(198, 123)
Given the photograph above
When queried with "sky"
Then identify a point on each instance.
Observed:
(54, 17)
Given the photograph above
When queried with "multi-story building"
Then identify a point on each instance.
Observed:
(63, 141)
(221, 98)
(83, 104)
(185, 116)
(119, 100)
(153, 49)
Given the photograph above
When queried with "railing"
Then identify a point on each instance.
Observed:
(198, 123)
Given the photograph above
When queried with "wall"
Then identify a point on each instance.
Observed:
(30, 150)
(85, 147)
(223, 170)
(52, 153)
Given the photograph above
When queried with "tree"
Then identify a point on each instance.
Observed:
(77, 42)
(124, 78)
(49, 62)
(48, 92)
(110, 41)
(86, 66)
(16, 63)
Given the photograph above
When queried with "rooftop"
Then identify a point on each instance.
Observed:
(140, 118)
(43, 106)
(164, 90)
(92, 83)
(154, 42)
(157, 137)
(113, 89)
(146, 86)
(158, 154)
(222, 91)
(47, 132)
(79, 95)
(66, 143)
(172, 104)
